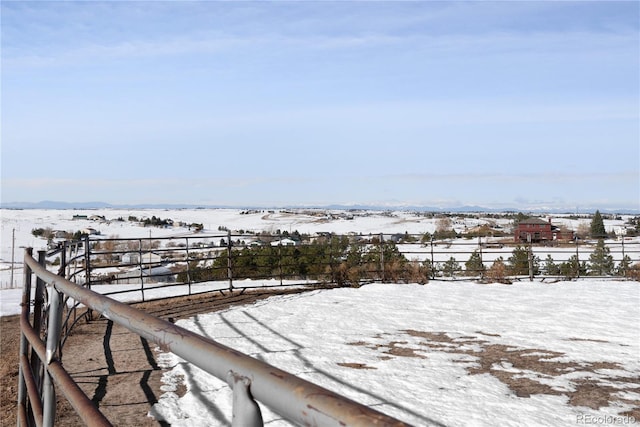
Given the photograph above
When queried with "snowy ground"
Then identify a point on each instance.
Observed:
(454, 354)
(20, 223)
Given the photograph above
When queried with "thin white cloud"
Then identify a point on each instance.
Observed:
(545, 44)
(553, 177)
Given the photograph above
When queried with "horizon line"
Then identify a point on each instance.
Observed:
(585, 208)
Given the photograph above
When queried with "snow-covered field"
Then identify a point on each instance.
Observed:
(20, 223)
(454, 354)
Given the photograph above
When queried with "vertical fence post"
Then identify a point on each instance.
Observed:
(39, 296)
(433, 264)
(73, 251)
(24, 344)
(53, 336)
(68, 246)
(530, 256)
(186, 239)
(13, 259)
(481, 261)
(577, 259)
(141, 267)
(63, 259)
(381, 244)
(36, 364)
(280, 257)
(229, 261)
(87, 262)
(622, 263)
(333, 266)
(245, 411)
(61, 272)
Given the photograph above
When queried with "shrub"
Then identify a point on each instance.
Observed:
(497, 273)
(46, 233)
(634, 272)
(417, 272)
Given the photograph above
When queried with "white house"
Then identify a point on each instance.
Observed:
(283, 242)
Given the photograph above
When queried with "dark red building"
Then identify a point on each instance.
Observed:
(538, 230)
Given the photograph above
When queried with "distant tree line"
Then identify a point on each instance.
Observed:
(339, 259)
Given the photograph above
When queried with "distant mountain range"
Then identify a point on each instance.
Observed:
(48, 204)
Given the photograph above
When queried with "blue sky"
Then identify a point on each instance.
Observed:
(498, 104)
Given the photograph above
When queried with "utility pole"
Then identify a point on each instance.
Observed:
(13, 248)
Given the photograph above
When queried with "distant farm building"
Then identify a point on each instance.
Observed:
(284, 242)
(159, 274)
(147, 258)
(537, 230)
(90, 231)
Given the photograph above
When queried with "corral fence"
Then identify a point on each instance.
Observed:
(42, 374)
(229, 261)
(95, 273)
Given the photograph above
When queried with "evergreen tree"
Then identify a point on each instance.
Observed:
(430, 268)
(573, 268)
(550, 267)
(601, 261)
(519, 262)
(474, 265)
(450, 267)
(624, 266)
(597, 227)
(519, 217)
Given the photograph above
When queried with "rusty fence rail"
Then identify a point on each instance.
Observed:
(42, 375)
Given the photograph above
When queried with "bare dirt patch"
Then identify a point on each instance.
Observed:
(354, 365)
(521, 369)
(9, 349)
(114, 367)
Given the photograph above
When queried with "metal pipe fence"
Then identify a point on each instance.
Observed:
(41, 374)
(247, 260)
(147, 269)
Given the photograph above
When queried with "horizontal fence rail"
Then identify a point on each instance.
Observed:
(293, 398)
(234, 260)
(143, 269)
